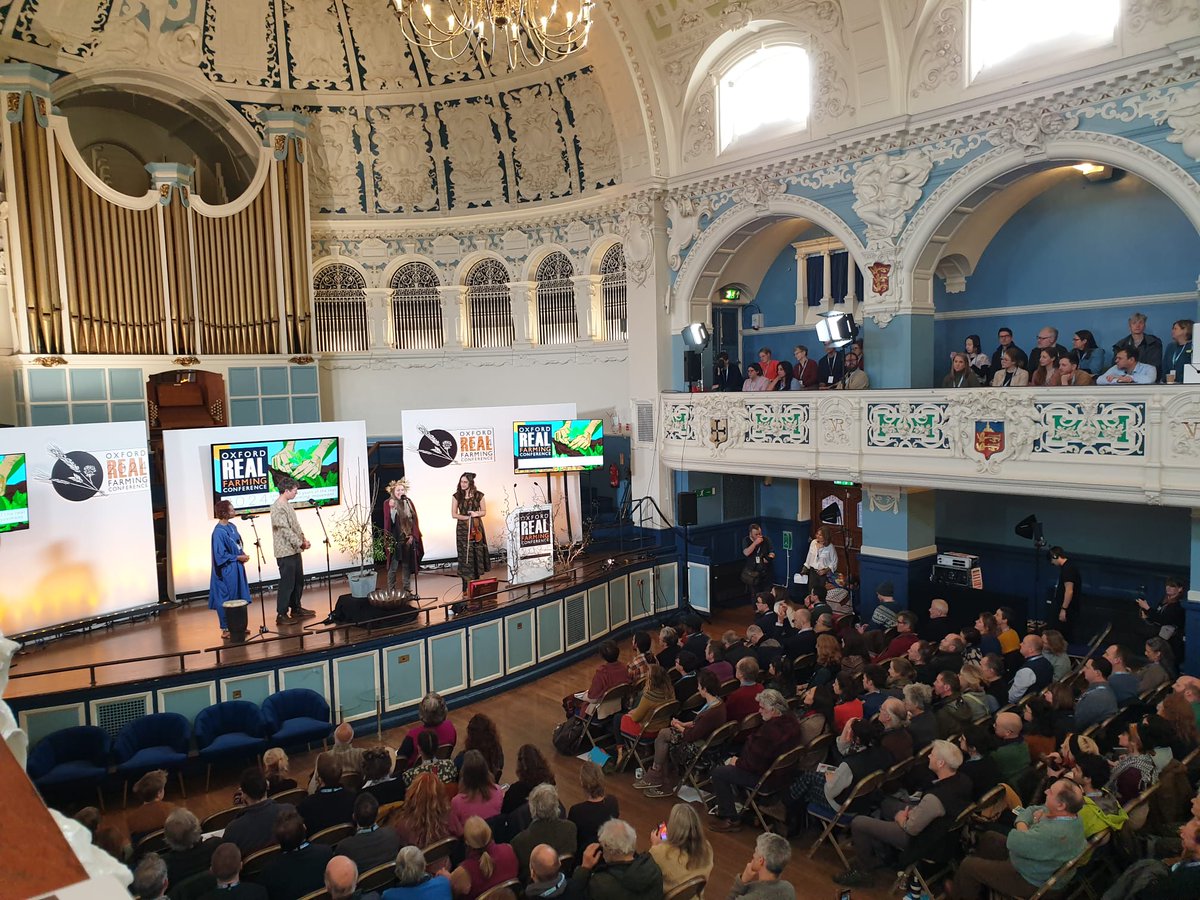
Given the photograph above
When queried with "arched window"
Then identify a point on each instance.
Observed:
(612, 289)
(340, 309)
(768, 87)
(489, 306)
(558, 322)
(1001, 33)
(416, 308)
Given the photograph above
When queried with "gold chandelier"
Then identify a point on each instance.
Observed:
(532, 31)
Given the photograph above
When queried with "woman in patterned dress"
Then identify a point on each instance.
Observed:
(468, 508)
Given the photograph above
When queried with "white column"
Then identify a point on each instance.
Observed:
(454, 316)
(379, 319)
(801, 286)
(524, 313)
(851, 271)
(827, 297)
(589, 307)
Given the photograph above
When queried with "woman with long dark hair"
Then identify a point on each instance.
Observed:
(532, 770)
(228, 581)
(401, 536)
(468, 508)
(980, 362)
(1091, 357)
(478, 794)
(1160, 665)
(482, 736)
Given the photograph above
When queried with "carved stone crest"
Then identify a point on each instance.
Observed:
(880, 277)
(1028, 130)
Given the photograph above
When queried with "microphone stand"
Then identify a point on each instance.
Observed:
(328, 574)
(263, 630)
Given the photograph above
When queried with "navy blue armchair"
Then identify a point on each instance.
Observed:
(228, 730)
(71, 758)
(297, 716)
(158, 741)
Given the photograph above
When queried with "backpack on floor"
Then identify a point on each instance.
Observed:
(568, 736)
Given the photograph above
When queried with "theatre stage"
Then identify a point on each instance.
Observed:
(192, 629)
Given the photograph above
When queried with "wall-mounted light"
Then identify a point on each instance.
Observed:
(1094, 171)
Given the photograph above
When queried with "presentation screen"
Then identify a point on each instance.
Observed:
(245, 473)
(558, 445)
(14, 493)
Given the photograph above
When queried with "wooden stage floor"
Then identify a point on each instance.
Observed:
(192, 628)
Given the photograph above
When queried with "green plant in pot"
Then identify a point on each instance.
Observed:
(354, 532)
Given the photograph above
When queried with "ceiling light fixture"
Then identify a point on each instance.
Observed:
(522, 31)
(1094, 171)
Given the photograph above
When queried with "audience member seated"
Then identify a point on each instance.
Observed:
(152, 814)
(1035, 673)
(780, 732)
(764, 613)
(1043, 839)
(853, 378)
(275, 768)
(482, 736)
(1178, 353)
(299, 868)
(979, 766)
(1047, 339)
(332, 804)
(486, 864)
(1091, 357)
(150, 878)
(949, 655)
(612, 869)
(1011, 754)
(896, 738)
(685, 852)
(609, 674)
(341, 879)
(980, 362)
(920, 655)
(897, 822)
(961, 374)
(922, 725)
(755, 380)
(432, 713)
(1070, 374)
(1012, 369)
(187, 853)
(1147, 347)
(760, 879)
(427, 747)
(1128, 369)
(691, 634)
(639, 668)
(532, 770)
(1041, 729)
(991, 668)
(1101, 809)
(1054, 648)
(950, 711)
(657, 691)
(677, 746)
(344, 753)
(1005, 341)
(378, 765)
(1182, 879)
(413, 882)
(874, 690)
(478, 794)
(255, 827)
(862, 753)
(830, 368)
(855, 652)
(424, 818)
(1098, 700)
(989, 634)
(547, 880)
(765, 648)
(597, 808)
(970, 681)
(1010, 641)
(1046, 373)
(901, 673)
(1123, 682)
(801, 640)
(906, 623)
(226, 868)
(1178, 713)
(546, 827)
(846, 690)
(1160, 669)
(781, 676)
(744, 700)
(372, 845)
(670, 652)
(688, 667)
(884, 615)
(714, 654)
(736, 649)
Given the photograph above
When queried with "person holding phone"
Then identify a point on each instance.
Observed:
(680, 848)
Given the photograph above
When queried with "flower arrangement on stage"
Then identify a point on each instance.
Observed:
(354, 532)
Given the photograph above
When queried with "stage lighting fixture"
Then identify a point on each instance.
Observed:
(695, 336)
(836, 328)
(831, 514)
(1025, 528)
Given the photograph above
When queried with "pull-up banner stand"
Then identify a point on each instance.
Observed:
(530, 544)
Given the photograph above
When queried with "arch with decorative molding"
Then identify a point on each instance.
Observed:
(596, 253)
(471, 260)
(397, 263)
(538, 254)
(325, 262)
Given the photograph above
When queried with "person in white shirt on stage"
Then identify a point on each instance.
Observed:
(1128, 370)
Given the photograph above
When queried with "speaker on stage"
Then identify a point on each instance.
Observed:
(685, 508)
(692, 366)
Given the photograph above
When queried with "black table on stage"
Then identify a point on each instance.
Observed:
(359, 611)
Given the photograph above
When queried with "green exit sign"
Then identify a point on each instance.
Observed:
(787, 540)
(844, 483)
(706, 492)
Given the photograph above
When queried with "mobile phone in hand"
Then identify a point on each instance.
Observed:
(662, 831)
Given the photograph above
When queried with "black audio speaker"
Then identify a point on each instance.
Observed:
(691, 366)
(685, 508)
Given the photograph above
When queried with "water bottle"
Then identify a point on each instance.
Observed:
(639, 773)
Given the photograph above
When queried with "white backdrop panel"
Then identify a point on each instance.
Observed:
(84, 557)
(483, 444)
(188, 460)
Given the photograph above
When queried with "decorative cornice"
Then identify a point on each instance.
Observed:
(186, 360)
(50, 361)
(1061, 306)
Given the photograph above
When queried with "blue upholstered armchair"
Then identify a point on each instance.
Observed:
(297, 716)
(71, 758)
(228, 730)
(158, 741)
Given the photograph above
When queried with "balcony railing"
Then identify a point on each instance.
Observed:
(1132, 444)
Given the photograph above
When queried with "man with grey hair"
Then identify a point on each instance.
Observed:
(187, 852)
(670, 652)
(765, 648)
(546, 827)
(896, 823)
(612, 869)
(150, 878)
(922, 725)
(760, 878)
(547, 880)
(410, 873)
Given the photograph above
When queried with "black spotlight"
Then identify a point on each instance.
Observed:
(1027, 528)
(831, 514)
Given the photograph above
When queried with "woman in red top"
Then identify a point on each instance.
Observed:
(487, 863)
(849, 706)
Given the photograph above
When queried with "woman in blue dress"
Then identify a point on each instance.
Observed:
(228, 580)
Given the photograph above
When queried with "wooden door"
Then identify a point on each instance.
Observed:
(846, 530)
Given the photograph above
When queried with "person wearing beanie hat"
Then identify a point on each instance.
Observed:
(884, 615)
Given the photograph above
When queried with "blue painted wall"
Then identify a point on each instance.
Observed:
(1080, 240)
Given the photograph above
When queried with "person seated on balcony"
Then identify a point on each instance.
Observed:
(1005, 337)
(961, 375)
(1128, 369)
(783, 376)
(1047, 339)
(726, 374)
(1011, 371)
(1071, 374)
(1046, 373)
(853, 378)
(755, 381)
(804, 372)
(1091, 357)
(1178, 354)
(980, 362)
(1149, 348)
(768, 364)
(830, 369)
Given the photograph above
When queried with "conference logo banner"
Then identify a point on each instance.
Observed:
(533, 529)
(441, 447)
(243, 470)
(79, 475)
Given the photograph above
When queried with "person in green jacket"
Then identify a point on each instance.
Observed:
(1042, 841)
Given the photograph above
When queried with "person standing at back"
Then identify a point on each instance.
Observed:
(1068, 594)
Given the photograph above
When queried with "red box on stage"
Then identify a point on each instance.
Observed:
(478, 591)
